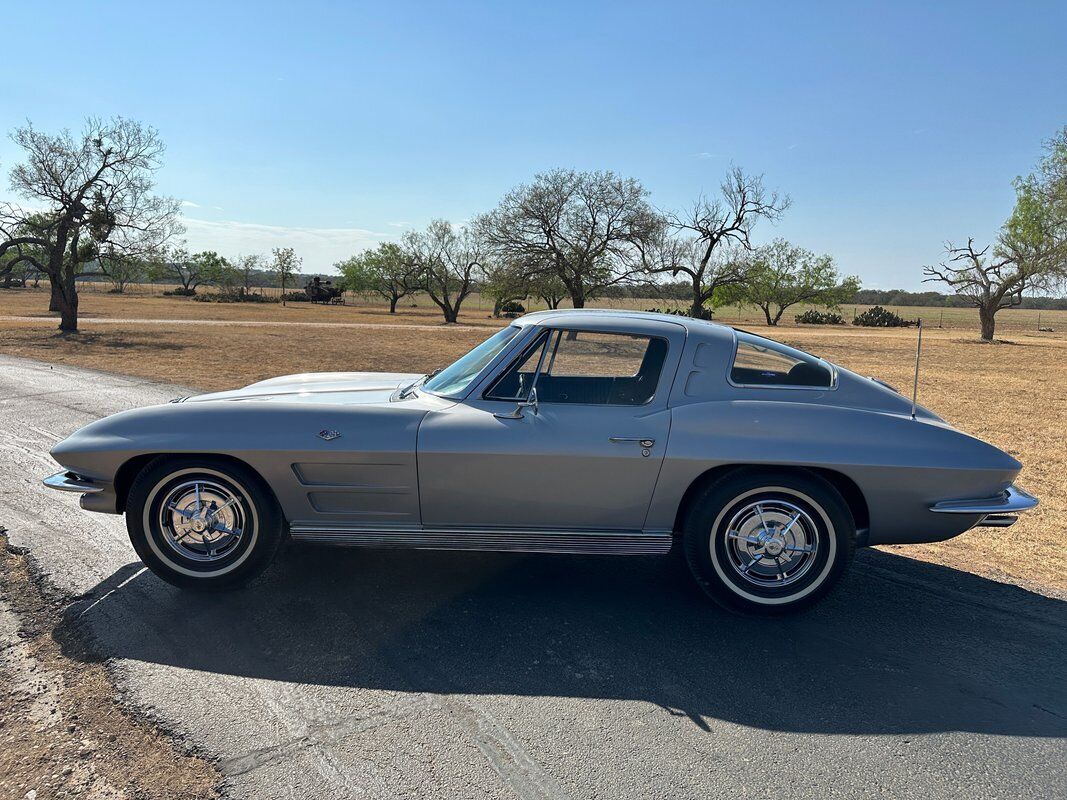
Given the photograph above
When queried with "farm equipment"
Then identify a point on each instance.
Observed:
(323, 292)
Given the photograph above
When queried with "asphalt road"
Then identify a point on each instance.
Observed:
(392, 674)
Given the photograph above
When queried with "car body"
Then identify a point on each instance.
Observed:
(572, 431)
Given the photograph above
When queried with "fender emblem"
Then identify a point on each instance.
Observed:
(328, 435)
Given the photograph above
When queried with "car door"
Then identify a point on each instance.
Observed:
(586, 457)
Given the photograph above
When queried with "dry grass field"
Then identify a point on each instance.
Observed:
(1013, 393)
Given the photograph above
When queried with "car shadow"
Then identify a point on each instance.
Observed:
(902, 647)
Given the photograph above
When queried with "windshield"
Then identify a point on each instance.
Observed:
(454, 378)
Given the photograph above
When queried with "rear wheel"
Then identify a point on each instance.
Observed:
(202, 523)
(768, 543)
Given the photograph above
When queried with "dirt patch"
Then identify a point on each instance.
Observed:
(63, 733)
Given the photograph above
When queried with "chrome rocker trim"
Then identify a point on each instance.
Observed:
(71, 482)
(998, 512)
(490, 539)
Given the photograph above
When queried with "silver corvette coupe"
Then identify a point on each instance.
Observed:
(597, 432)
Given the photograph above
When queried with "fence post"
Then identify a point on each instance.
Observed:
(941, 322)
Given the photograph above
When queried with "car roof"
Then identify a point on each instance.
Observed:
(578, 316)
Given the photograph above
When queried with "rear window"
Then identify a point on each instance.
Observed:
(761, 362)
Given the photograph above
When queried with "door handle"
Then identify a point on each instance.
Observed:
(632, 439)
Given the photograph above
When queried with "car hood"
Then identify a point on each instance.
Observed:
(344, 388)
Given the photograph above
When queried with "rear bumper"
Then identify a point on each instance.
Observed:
(996, 512)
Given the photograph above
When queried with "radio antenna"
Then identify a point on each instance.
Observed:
(915, 383)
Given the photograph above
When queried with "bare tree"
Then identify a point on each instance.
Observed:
(993, 280)
(709, 270)
(1030, 253)
(448, 263)
(715, 225)
(96, 191)
(783, 275)
(585, 228)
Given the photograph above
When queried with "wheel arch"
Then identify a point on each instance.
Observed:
(130, 469)
(849, 490)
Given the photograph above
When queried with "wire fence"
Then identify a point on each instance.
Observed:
(1009, 319)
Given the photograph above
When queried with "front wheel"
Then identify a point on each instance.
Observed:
(768, 543)
(201, 523)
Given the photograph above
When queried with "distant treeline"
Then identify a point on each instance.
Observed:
(899, 297)
(865, 297)
(681, 292)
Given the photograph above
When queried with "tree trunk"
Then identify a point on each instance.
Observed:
(55, 301)
(392, 304)
(696, 310)
(67, 298)
(767, 314)
(988, 321)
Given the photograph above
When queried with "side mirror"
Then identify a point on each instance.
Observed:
(530, 402)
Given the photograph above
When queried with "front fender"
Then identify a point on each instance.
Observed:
(366, 472)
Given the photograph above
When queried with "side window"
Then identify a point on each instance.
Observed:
(597, 355)
(761, 362)
(516, 382)
(586, 367)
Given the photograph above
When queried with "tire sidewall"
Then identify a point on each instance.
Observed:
(705, 540)
(251, 557)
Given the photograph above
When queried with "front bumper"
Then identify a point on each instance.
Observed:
(71, 482)
(96, 495)
(997, 512)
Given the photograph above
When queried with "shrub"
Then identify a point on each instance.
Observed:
(678, 312)
(234, 297)
(179, 292)
(879, 317)
(296, 297)
(512, 308)
(814, 317)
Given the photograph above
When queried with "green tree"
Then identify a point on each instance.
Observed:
(122, 270)
(189, 270)
(246, 272)
(782, 275)
(284, 265)
(549, 288)
(505, 282)
(386, 271)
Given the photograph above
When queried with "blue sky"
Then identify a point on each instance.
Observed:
(332, 126)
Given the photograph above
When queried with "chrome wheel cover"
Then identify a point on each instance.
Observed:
(771, 543)
(202, 520)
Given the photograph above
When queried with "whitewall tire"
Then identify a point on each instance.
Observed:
(768, 542)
